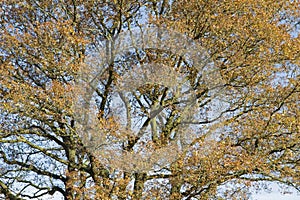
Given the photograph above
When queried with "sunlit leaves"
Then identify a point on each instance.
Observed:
(149, 122)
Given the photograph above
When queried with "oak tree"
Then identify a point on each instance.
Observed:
(157, 99)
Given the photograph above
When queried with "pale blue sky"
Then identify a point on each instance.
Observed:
(276, 195)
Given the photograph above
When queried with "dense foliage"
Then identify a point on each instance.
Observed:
(157, 99)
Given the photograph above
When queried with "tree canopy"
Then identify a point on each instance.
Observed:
(148, 99)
